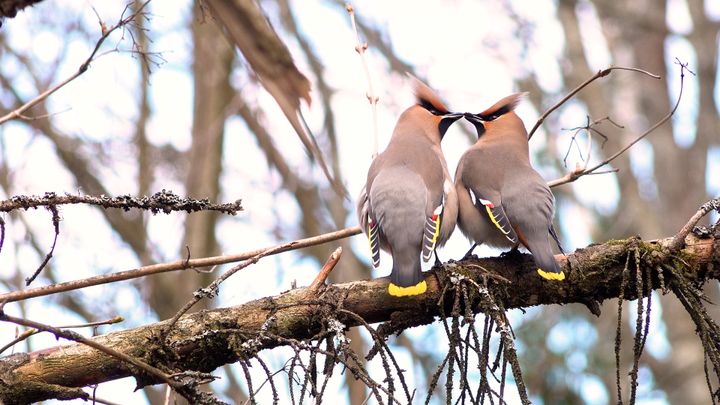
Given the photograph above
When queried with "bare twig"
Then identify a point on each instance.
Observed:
(19, 338)
(678, 241)
(2, 233)
(326, 269)
(212, 290)
(360, 48)
(599, 74)
(589, 128)
(18, 112)
(176, 265)
(576, 174)
(29, 332)
(56, 225)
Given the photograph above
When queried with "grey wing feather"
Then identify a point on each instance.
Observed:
(494, 211)
(369, 225)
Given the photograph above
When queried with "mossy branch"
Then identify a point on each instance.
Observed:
(206, 340)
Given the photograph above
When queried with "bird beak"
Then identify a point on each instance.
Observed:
(446, 120)
(452, 116)
(473, 118)
(477, 122)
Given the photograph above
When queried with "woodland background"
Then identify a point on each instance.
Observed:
(188, 115)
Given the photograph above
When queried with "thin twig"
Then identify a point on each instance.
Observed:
(2, 233)
(212, 289)
(184, 388)
(17, 113)
(30, 332)
(19, 338)
(599, 74)
(56, 225)
(175, 266)
(360, 48)
(576, 174)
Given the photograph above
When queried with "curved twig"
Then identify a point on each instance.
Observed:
(576, 174)
(599, 74)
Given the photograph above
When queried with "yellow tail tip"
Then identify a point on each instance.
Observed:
(547, 275)
(417, 289)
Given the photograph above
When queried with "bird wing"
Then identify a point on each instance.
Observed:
(373, 233)
(370, 226)
(492, 207)
(432, 230)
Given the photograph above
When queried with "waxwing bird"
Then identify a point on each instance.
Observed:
(502, 200)
(408, 206)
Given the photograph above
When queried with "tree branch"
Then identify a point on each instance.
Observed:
(206, 340)
(176, 265)
(679, 239)
(185, 388)
(599, 74)
(163, 201)
(579, 172)
(360, 48)
(18, 113)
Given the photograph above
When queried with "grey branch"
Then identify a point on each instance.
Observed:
(163, 201)
(209, 339)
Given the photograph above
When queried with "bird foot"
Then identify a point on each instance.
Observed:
(512, 253)
(469, 253)
(438, 262)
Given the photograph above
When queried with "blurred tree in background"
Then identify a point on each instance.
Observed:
(171, 103)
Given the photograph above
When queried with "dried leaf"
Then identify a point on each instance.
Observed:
(272, 62)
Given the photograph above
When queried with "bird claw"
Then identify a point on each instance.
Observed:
(469, 253)
(514, 252)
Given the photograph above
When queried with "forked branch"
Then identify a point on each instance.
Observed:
(124, 20)
(584, 171)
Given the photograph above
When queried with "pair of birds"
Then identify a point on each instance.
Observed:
(409, 205)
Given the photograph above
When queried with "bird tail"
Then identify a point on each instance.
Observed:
(406, 276)
(548, 268)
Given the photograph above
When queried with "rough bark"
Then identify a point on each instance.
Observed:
(206, 340)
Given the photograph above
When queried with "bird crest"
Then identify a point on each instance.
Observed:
(427, 98)
(502, 107)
